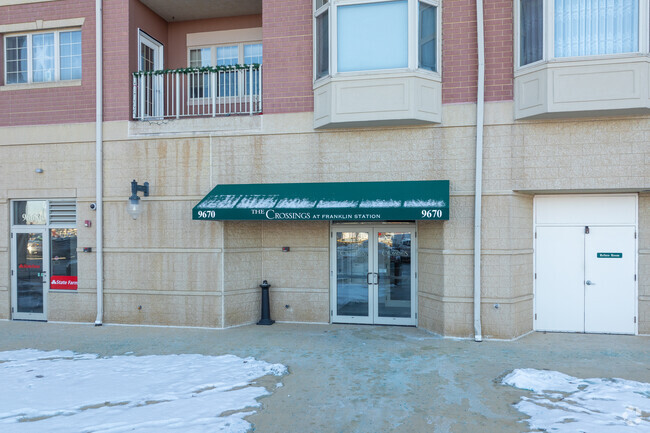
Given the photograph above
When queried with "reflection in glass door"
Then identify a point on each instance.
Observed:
(394, 276)
(31, 274)
(352, 276)
(373, 274)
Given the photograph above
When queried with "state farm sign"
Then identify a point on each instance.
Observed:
(63, 283)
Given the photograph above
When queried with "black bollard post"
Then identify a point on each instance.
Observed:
(266, 307)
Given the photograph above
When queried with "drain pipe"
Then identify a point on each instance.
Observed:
(99, 169)
(478, 190)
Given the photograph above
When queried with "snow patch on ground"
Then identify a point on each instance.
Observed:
(62, 391)
(564, 404)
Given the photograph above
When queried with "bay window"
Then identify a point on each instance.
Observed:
(581, 56)
(577, 28)
(43, 57)
(375, 35)
(372, 36)
(376, 62)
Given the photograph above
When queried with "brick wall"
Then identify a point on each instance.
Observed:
(499, 52)
(287, 29)
(460, 55)
(52, 105)
(117, 80)
(287, 74)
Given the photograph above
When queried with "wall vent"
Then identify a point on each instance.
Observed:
(63, 212)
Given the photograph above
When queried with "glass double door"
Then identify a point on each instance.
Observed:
(373, 274)
(30, 274)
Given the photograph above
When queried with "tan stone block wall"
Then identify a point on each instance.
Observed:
(163, 309)
(162, 272)
(242, 307)
(242, 270)
(299, 278)
(5, 303)
(523, 317)
(430, 313)
(582, 155)
(79, 306)
(300, 305)
(174, 167)
(459, 318)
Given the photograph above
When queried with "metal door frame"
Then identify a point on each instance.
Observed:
(373, 260)
(45, 252)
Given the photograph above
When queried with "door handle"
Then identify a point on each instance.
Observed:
(589, 283)
(376, 278)
(368, 278)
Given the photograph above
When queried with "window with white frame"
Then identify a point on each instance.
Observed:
(362, 35)
(229, 82)
(43, 57)
(577, 28)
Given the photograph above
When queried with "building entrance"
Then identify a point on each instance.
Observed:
(372, 274)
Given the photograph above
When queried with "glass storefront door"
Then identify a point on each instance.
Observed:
(43, 254)
(31, 274)
(373, 274)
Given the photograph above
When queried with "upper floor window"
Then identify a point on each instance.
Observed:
(577, 28)
(229, 83)
(375, 35)
(43, 57)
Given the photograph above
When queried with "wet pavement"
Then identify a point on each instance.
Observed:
(352, 378)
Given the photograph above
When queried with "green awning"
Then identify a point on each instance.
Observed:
(335, 201)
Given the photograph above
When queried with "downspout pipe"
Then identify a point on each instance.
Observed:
(99, 169)
(478, 191)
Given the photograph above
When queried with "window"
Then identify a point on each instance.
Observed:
(43, 57)
(373, 36)
(200, 86)
(230, 83)
(578, 28)
(427, 36)
(322, 41)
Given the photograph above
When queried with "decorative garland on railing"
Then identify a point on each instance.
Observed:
(203, 69)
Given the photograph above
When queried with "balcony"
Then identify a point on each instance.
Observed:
(197, 92)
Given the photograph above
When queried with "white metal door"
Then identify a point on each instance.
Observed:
(610, 280)
(373, 274)
(30, 268)
(559, 269)
(585, 263)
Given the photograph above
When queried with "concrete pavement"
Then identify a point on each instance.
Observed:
(350, 378)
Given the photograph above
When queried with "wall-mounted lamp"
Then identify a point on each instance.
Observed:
(133, 206)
